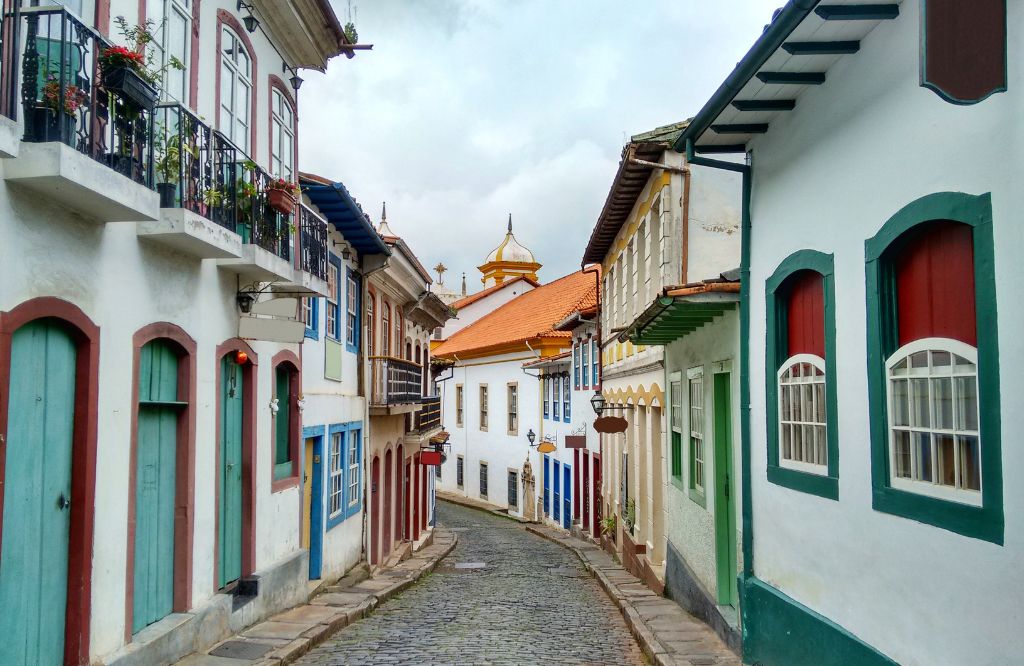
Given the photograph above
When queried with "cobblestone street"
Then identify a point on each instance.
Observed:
(530, 603)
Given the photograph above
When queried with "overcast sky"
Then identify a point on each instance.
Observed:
(468, 110)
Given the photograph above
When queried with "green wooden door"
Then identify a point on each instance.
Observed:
(282, 424)
(231, 414)
(725, 503)
(37, 492)
(156, 456)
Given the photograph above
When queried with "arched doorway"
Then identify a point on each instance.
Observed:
(416, 497)
(400, 495)
(407, 499)
(389, 530)
(375, 512)
(49, 352)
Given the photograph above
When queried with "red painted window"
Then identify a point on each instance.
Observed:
(805, 314)
(934, 272)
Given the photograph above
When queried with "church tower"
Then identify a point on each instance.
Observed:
(508, 260)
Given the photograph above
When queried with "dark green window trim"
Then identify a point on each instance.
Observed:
(677, 458)
(984, 522)
(826, 486)
(697, 495)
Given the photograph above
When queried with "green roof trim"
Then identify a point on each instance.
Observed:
(670, 318)
(788, 18)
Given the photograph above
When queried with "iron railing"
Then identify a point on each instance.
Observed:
(63, 97)
(184, 161)
(429, 416)
(394, 381)
(312, 242)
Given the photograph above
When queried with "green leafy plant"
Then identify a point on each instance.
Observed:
(608, 524)
(139, 37)
(629, 516)
(350, 33)
(169, 151)
(213, 197)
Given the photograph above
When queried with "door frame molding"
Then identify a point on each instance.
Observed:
(86, 335)
(249, 396)
(288, 358)
(184, 472)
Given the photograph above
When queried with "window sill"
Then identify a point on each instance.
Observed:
(677, 481)
(975, 522)
(805, 482)
(697, 497)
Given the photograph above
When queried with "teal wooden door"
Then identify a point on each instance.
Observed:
(725, 504)
(231, 414)
(37, 495)
(156, 455)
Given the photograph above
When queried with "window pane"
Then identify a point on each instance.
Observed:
(900, 402)
(821, 443)
(797, 443)
(809, 443)
(919, 360)
(787, 442)
(967, 403)
(947, 459)
(919, 403)
(923, 450)
(819, 401)
(970, 471)
(902, 453)
(941, 359)
(806, 404)
(786, 406)
(942, 396)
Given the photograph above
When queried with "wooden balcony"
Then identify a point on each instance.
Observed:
(395, 386)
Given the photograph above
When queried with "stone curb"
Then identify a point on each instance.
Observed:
(288, 651)
(646, 636)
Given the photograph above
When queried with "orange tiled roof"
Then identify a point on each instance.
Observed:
(526, 317)
(473, 298)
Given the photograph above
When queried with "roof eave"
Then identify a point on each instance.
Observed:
(770, 40)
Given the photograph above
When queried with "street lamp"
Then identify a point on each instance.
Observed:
(531, 436)
(597, 402)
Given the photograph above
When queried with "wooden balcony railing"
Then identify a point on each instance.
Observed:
(429, 416)
(394, 381)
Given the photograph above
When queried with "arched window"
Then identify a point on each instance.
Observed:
(286, 420)
(933, 381)
(235, 117)
(385, 338)
(282, 135)
(803, 445)
(371, 304)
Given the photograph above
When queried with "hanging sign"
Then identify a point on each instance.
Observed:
(610, 425)
(546, 447)
(430, 457)
(963, 50)
(575, 441)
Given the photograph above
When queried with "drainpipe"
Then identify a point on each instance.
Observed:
(745, 230)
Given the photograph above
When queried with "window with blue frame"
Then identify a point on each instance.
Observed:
(585, 364)
(566, 399)
(556, 398)
(343, 492)
(353, 298)
(334, 274)
(576, 365)
(311, 316)
(547, 484)
(545, 387)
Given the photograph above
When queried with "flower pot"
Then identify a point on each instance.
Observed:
(168, 194)
(127, 83)
(49, 125)
(282, 201)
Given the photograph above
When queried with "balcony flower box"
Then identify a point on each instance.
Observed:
(129, 84)
(281, 196)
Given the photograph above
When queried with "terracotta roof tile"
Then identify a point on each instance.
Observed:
(526, 317)
(473, 298)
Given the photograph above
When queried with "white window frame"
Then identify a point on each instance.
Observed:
(234, 118)
(282, 127)
(351, 311)
(585, 364)
(696, 375)
(460, 405)
(485, 398)
(566, 400)
(332, 301)
(336, 474)
(932, 488)
(512, 391)
(160, 12)
(353, 467)
(817, 426)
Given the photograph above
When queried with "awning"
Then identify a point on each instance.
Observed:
(337, 205)
(670, 318)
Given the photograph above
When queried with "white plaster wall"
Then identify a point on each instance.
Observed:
(690, 527)
(713, 229)
(826, 177)
(477, 309)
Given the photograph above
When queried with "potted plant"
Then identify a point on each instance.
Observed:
(129, 70)
(169, 151)
(282, 195)
(56, 117)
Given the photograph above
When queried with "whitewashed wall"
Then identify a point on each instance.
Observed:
(477, 309)
(827, 176)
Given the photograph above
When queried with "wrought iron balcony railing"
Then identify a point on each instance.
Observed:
(63, 94)
(429, 416)
(394, 381)
(312, 242)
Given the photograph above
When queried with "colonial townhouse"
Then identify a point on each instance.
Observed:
(334, 416)
(878, 330)
(404, 408)
(693, 318)
(636, 242)
(150, 371)
(570, 473)
(491, 403)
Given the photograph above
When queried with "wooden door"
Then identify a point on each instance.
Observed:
(566, 496)
(585, 494)
(37, 492)
(232, 413)
(596, 515)
(547, 485)
(375, 511)
(422, 469)
(389, 530)
(725, 504)
(155, 470)
(556, 492)
(406, 522)
(313, 504)
(400, 496)
(416, 497)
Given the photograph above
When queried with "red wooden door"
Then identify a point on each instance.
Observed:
(586, 491)
(375, 512)
(423, 496)
(595, 527)
(389, 530)
(415, 497)
(576, 484)
(399, 496)
(407, 495)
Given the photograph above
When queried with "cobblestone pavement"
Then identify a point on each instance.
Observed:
(533, 603)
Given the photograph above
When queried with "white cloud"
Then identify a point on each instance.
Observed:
(466, 110)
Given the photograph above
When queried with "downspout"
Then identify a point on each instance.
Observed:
(685, 254)
(745, 464)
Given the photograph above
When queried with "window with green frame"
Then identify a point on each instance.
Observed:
(695, 480)
(282, 422)
(676, 429)
(800, 375)
(933, 381)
